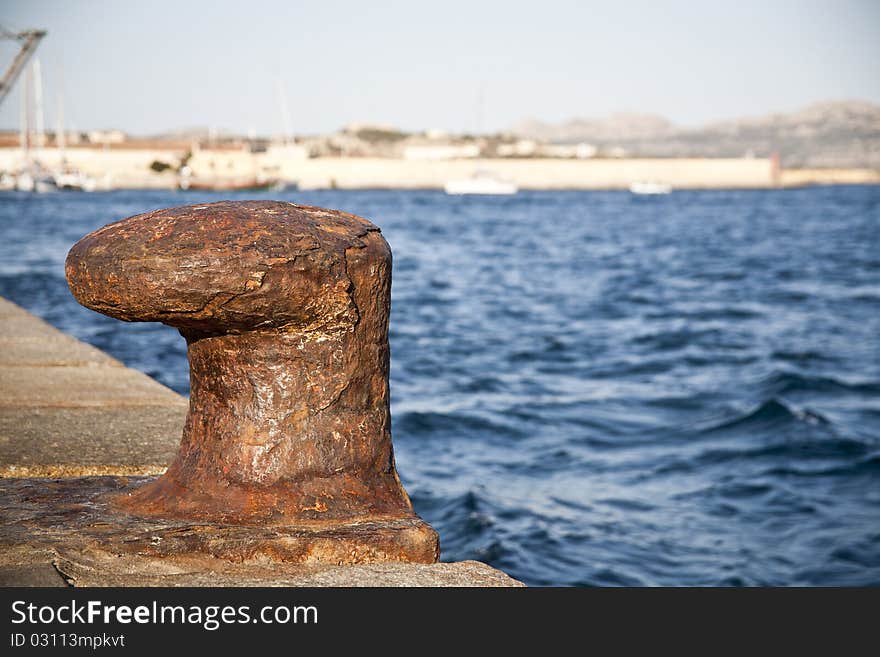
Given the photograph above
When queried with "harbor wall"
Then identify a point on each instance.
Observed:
(803, 177)
(130, 168)
(537, 173)
(112, 168)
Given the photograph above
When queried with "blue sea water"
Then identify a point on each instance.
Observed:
(594, 388)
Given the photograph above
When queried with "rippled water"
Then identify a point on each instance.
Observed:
(596, 388)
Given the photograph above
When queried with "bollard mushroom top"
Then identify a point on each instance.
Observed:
(226, 267)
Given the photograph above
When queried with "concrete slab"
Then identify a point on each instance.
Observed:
(32, 575)
(73, 386)
(76, 442)
(25, 326)
(28, 340)
(9, 309)
(102, 570)
(141, 572)
(49, 350)
(68, 409)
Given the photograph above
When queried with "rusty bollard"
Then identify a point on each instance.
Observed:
(284, 309)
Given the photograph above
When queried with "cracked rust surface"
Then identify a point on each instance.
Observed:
(73, 517)
(284, 309)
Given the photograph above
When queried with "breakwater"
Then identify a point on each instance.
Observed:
(124, 168)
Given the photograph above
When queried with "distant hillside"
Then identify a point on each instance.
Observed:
(831, 134)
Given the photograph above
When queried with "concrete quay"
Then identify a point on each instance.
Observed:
(69, 410)
(71, 418)
(129, 168)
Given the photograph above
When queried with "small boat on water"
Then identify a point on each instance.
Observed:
(74, 180)
(648, 187)
(227, 185)
(187, 181)
(35, 180)
(482, 182)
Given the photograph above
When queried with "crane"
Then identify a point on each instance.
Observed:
(28, 40)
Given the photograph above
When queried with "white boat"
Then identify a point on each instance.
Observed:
(33, 177)
(650, 187)
(44, 185)
(73, 179)
(482, 182)
(67, 176)
(7, 182)
(35, 181)
(24, 182)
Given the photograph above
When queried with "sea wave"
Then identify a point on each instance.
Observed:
(592, 390)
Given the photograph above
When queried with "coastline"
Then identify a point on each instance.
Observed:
(129, 168)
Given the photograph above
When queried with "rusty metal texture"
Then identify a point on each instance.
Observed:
(78, 516)
(284, 309)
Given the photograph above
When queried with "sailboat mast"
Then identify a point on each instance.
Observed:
(22, 116)
(285, 114)
(60, 137)
(38, 102)
(28, 110)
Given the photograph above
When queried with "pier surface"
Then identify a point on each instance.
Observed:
(69, 410)
(70, 413)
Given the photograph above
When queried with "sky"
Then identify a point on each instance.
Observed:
(149, 67)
